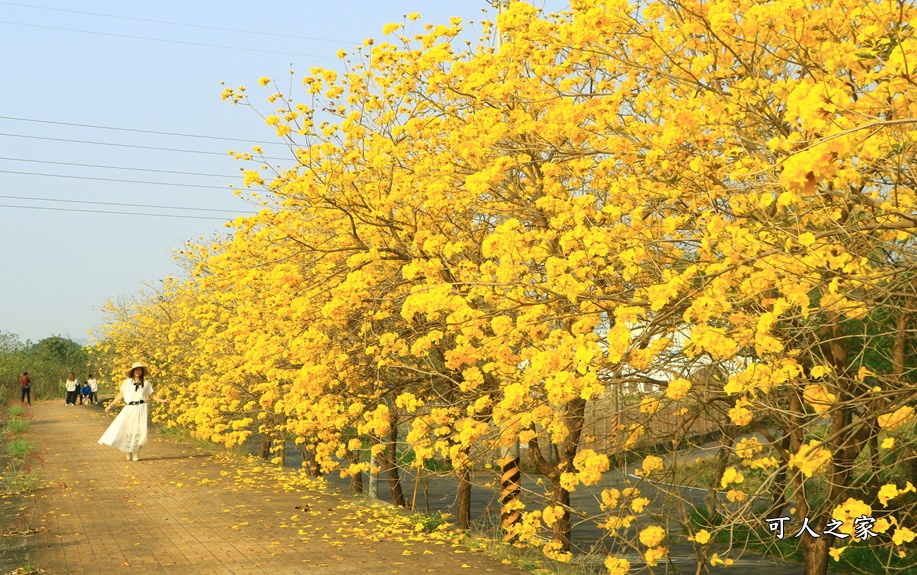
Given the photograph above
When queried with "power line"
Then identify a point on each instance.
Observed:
(223, 47)
(179, 23)
(132, 169)
(115, 180)
(136, 130)
(118, 145)
(114, 212)
(188, 208)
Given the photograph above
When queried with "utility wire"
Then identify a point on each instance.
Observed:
(179, 23)
(135, 130)
(167, 41)
(118, 145)
(132, 169)
(115, 213)
(30, 198)
(116, 180)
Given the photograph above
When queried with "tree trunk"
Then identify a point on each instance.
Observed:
(356, 480)
(391, 462)
(562, 530)
(780, 481)
(574, 415)
(815, 555)
(574, 418)
(282, 454)
(712, 501)
(464, 498)
(265, 452)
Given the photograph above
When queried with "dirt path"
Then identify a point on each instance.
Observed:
(183, 510)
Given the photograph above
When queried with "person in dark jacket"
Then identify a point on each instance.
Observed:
(26, 385)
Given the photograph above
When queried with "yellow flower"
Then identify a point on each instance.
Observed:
(806, 239)
(702, 536)
(652, 556)
(652, 535)
(617, 566)
(740, 415)
(649, 405)
(811, 458)
(903, 535)
(836, 552)
(882, 525)
(896, 419)
(890, 491)
(678, 388)
(736, 495)
(639, 504)
(591, 466)
(888, 443)
(747, 447)
(819, 397)
(551, 514)
(651, 463)
(554, 550)
(610, 498)
(716, 560)
(848, 511)
(731, 476)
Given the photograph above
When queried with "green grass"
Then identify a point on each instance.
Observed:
(17, 425)
(529, 559)
(16, 410)
(430, 523)
(19, 448)
(16, 479)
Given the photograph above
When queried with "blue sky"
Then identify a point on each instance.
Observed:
(91, 89)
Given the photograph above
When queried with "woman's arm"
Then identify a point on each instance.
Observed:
(158, 399)
(114, 401)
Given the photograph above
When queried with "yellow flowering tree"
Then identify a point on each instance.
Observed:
(475, 244)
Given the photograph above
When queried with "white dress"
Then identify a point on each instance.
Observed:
(128, 431)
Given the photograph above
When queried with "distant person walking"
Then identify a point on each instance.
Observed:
(128, 432)
(26, 384)
(93, 389)
(71, 385)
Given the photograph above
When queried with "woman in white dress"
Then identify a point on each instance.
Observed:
(128, 431)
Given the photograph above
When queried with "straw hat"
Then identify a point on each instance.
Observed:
(130, 372)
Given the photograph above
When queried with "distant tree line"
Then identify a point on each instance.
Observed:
(48, 362)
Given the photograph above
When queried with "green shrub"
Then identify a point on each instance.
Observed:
(16, 410)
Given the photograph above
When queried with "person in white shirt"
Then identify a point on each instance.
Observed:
(93, 389)
(71, 385)
(128, 431)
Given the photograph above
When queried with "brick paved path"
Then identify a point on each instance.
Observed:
(183, 510)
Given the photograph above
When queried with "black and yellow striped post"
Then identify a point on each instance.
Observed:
(511, 482)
